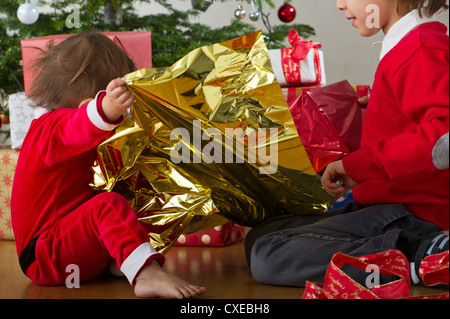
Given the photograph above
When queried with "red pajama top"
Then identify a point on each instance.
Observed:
(53, 171)
(405, 140)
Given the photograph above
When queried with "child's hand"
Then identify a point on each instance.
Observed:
(363, 101)
(334, 173)
(118, 98)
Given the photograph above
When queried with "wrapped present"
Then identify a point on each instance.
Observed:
(329, 122)
(362, 90)
(136, 44)
(219, 236)
(8, 162)
(300, 65)
(21, 114)
(207, 138)
(291, 93)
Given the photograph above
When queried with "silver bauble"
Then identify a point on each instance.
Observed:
(239, 13)
(254, 15)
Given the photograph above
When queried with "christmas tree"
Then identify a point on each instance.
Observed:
(173, 33)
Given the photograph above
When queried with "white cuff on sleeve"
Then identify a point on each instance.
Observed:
(134, 262)
(95, 117)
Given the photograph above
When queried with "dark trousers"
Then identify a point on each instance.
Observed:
(290, 250)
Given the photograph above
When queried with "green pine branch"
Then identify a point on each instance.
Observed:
(173, 33)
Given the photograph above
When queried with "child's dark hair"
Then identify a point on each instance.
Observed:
(433, 7)
(76, 69)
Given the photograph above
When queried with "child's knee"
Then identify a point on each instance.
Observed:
(112, 203)
(262, 265)
(113, 199)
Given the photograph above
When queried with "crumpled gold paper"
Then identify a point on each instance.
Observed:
(209, 139)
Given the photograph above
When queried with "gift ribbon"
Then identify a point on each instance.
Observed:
(291, 57)
(338, 285)
(434, 269)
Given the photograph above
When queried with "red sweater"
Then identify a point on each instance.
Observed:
(53, 172)
(404, 146)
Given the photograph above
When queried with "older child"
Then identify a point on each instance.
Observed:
(399, 176)
(58, 220)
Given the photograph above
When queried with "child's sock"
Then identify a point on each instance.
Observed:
(435, 244)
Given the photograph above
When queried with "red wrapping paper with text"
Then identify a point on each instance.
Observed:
(329, 122)
(338, 285)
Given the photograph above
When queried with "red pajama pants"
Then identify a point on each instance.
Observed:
(103, 228)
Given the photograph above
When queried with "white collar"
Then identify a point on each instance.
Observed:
(401, 28)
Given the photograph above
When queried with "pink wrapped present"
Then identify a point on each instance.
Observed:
(136, 44)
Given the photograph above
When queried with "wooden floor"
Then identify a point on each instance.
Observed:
(222, 270)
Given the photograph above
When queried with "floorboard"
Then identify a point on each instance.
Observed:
(222, 270)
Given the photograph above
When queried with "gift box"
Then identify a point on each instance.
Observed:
(219, 236)
(21, 114)
(300, 65)
(8, 162)
(136, 44)
(329, 122)
(290, 93)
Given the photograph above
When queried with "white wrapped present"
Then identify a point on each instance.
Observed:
(21, 114)
(300, 65)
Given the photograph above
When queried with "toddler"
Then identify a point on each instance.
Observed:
(58, 220)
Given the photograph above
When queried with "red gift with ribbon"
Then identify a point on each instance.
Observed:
(300, 65)
(329, 122)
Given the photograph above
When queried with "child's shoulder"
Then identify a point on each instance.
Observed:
(432, 35)
(48, 119)
(426, 42)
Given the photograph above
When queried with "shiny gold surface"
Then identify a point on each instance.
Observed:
(244, 159)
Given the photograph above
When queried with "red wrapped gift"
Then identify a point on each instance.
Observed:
(137, 45)
(290, 93)
(219, 236)
(300, 65)
(329, 122)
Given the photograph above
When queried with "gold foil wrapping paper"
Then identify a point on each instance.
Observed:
(209, 138)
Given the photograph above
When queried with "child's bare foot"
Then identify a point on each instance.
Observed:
(153, 281)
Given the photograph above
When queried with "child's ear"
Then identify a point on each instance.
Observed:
(85, 101)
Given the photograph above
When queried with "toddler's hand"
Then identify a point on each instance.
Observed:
(334, 173)
(118, 98)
